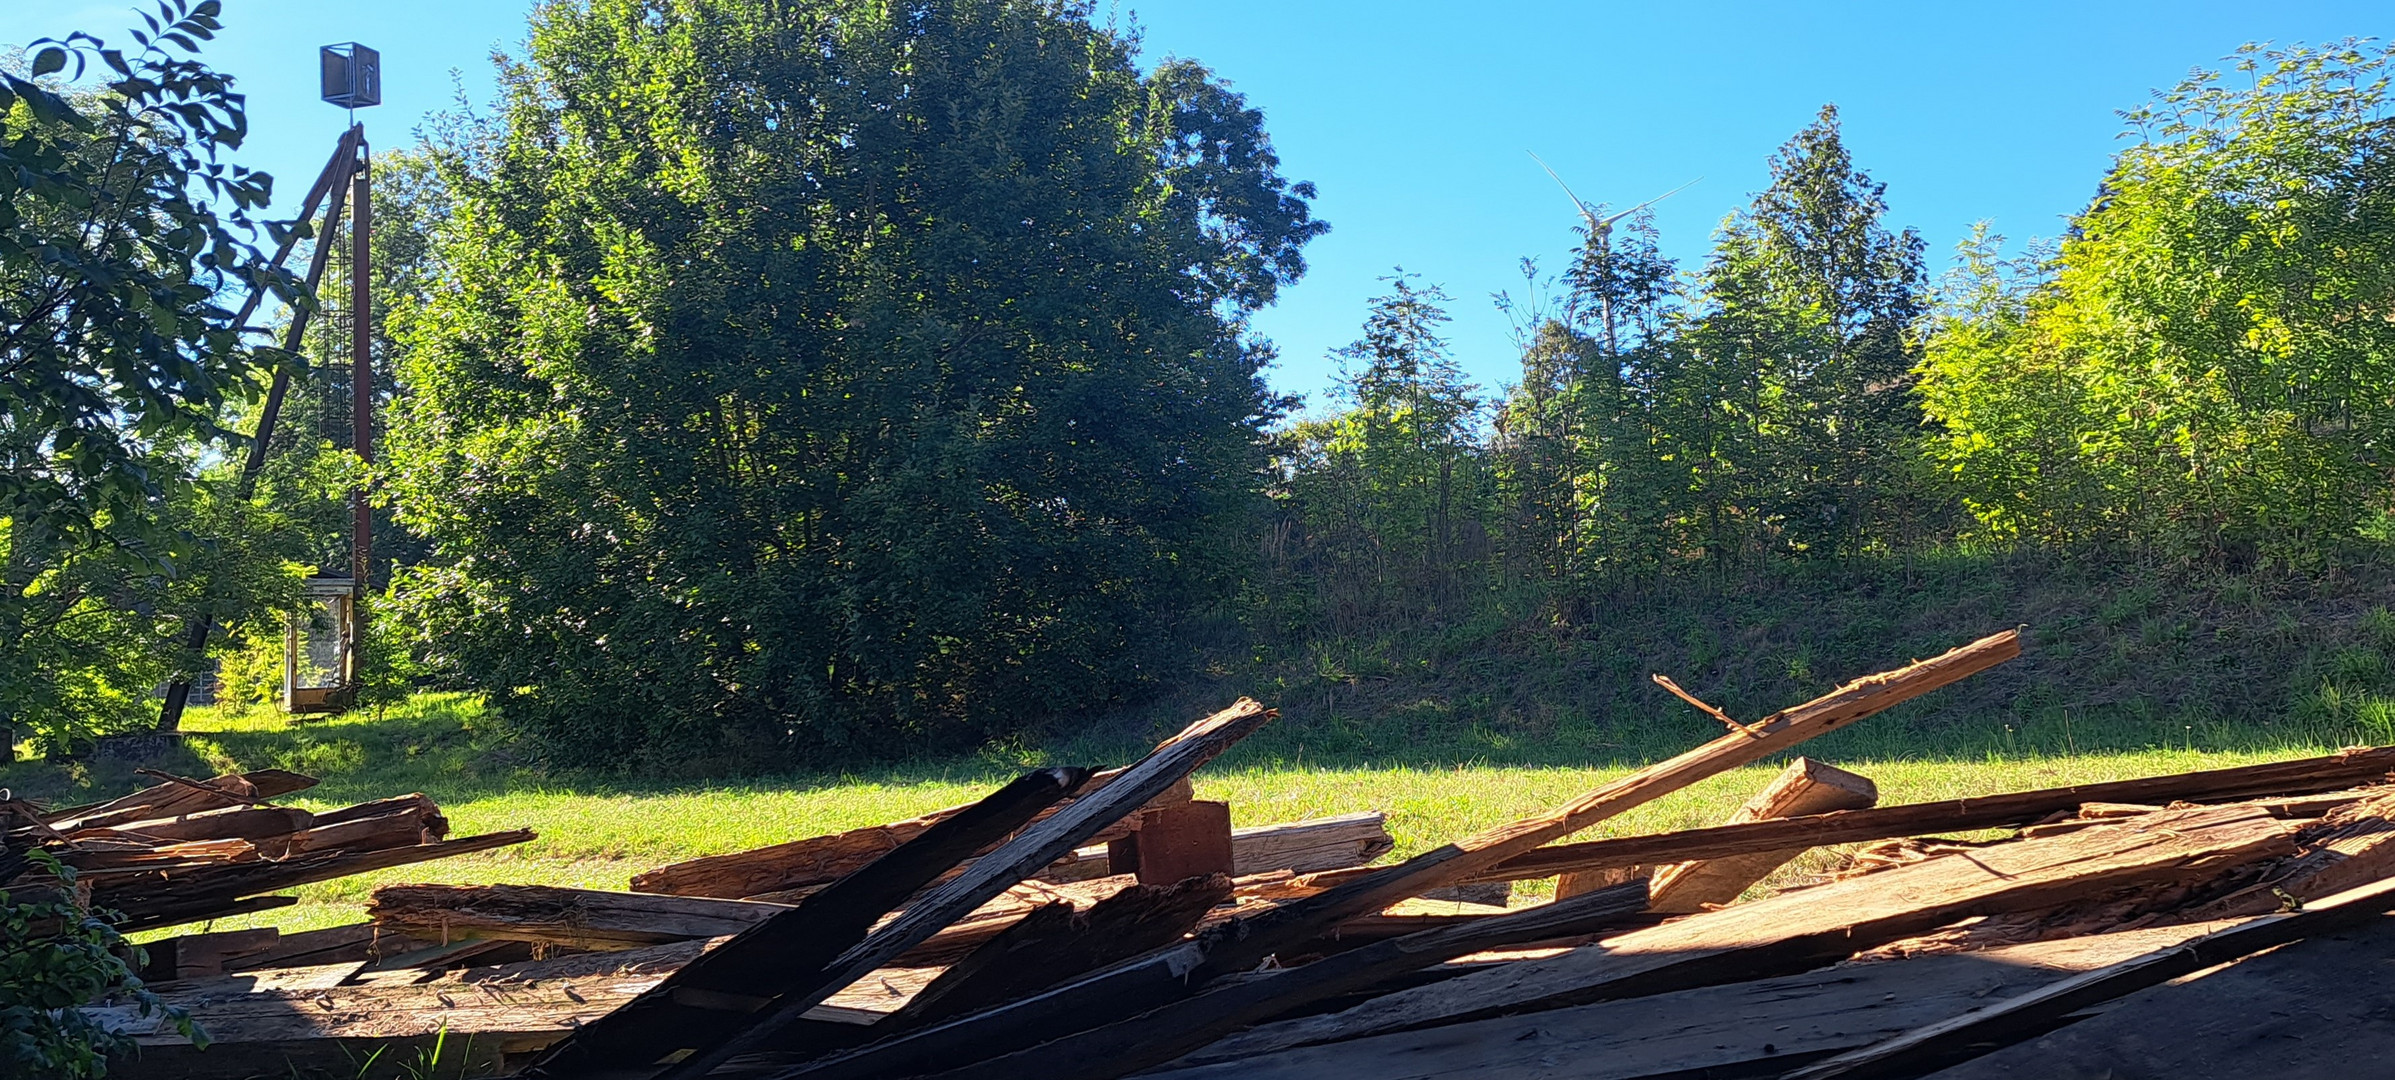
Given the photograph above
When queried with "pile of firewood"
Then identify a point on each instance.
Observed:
(189, 850)
(1074, 926)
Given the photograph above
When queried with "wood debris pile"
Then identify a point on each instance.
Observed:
(186, 850)
(1078, 926)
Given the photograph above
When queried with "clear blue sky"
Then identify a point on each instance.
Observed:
(1413, 118)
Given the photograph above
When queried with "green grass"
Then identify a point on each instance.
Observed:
(596, 831)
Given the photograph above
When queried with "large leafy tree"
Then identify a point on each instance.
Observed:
(2203, 366)
(119, 230)
(823, 374)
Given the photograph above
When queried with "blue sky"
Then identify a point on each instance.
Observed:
(1413, 118)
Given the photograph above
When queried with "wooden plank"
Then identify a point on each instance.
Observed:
(1755, 1028)
(192, 956)
(577, 918)
(1176, 843)
(2300, 777)
(802, 865)
(1805, 787)
(2010, 1019)
(1168, 975)
(1055, 943)
(1797, 930)
(1038, 846)
(356, 942)
(2350, 847)
(1299, 847)
(716, 993)
(234, 823)
(1129, 1046)
(151, 901)
(171, 799)
(2315, 1010)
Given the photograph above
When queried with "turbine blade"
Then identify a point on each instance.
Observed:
(1653, 201)
(1567, 188)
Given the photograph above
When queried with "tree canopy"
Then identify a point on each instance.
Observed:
(827, 374)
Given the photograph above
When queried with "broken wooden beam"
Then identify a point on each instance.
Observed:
(800, 866)
(2007, 1020)
(575, 918)
(1757, 1028)
(716, 993)
(1806, 786)
(176, 799)
(2300, 777)
(1300, 847)
(1803, 928)
(149, 901)
(1056, 943)
(1151, 1039)
(1036, 847)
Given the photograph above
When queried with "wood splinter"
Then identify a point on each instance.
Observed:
(1665, 682)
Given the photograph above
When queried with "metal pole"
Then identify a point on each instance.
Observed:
(361, 390)
(334, 180)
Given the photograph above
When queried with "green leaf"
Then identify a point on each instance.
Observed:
(49, 60)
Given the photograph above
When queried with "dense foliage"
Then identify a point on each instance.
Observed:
(54, 956)
(827, 374)
(2205, 363)
(119, 226)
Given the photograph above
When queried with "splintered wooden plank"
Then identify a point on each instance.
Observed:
(1189, 840)
(1800, 929)
(1020, 857)
(1741, 1029)
(151, 901)
(716, 993)
(2301, 777)
(2350, 847)
(1805, 787)
(1128, 1046)
(1055, 943)
(799, 866)
(1298, 847)
(579, 918)
(2012, 1018)
(173, 799)
(2315, 1010)
(1171, 974)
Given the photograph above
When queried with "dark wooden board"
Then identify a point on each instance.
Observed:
(1763, 1025)
(2321, 1009)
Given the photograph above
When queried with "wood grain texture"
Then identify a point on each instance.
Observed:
(1800, 929)
(1743, 1028)
(1806, 786)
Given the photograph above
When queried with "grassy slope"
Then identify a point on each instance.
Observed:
(1453, 725)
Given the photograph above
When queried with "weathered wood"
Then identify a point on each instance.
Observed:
(2005, 1021)
(1805, 787)
(1796, 930)
(578, 918)
(2350, 847)
(1038, 846)
(353, 943)
(1740, 1029)
(2300, 777)
(800, 866)
(1176, 843)
(172, 800)
(1299, 847)
(1055, 943)
(193, 956)
(151, 901)
(715, 994)
(402, 823)
(1170, 974)
(231, 823)
(1128, 1046)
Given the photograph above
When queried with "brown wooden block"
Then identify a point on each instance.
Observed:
(1190, 840)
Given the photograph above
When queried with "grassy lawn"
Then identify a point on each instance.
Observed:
(596, 831)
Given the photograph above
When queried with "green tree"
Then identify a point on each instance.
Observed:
(119, 228)
(2205, 372)
(829, 374)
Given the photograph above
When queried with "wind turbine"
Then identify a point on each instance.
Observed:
(1601, 228)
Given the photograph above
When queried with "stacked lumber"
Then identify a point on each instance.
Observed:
(978, 942)
(187, 850)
